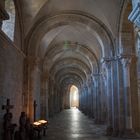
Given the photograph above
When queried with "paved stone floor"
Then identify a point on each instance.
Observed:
(71, 124)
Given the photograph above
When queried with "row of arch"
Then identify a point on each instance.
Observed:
(70, 65)
(53, 64)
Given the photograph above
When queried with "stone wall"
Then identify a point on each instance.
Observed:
(11, 75)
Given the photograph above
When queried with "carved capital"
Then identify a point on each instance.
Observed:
(107, 65)
(96, 77)
(106, 62)
(135, 15)
(125, 60)
(89, 80)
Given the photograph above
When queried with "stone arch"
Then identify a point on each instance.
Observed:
(72, 73)
(73, 81)
(127, 51)
(65, 18)
(67, 62)
(126, 34)
(44, 97)
(47, 24)
(75, 71)
(77, 50)
(72, 77)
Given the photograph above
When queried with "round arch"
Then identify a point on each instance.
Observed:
(64, 18)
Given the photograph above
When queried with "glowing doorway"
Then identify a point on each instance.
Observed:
(74, 96)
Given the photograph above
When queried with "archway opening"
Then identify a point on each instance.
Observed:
(74, 97)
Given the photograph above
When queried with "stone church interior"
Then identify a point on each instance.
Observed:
(74, 64)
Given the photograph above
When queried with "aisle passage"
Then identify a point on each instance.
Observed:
(71, 124)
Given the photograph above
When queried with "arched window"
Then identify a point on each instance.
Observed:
(8, 26)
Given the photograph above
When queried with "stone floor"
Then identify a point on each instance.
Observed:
(73, 125)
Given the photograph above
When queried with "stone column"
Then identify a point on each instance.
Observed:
(120, 99)
(33, 65)
(43, 99)
(85, 99)
(95, 97)
(51, 97)
(103, 87)
(94, 86)
(61, 100)
(55, 99)
(51, 110)
(90, 104)
(44, 96)
(58, 100)
(88, 100)
(47, 101)
(51, 92)
(115, 93)
(98, 100)
(128, 132)
(107, 65)
(82, 99)
(81, 96)
(134, 17)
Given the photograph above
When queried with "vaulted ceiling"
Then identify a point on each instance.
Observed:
(71, 36)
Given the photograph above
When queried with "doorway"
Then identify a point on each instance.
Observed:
(74, 97)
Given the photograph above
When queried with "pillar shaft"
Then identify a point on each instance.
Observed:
(107, 64)
(127, 92)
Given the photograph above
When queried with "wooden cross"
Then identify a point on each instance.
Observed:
(7, 107)
(35, 105)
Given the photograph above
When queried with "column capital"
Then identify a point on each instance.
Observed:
(106, 62)
(126, 62)
(107, 59)
(97, 74)
(125, 59)
(124, 56)
(135, 15)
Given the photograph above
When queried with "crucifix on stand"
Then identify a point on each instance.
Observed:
(8, 126)
(7, 107)
(35, 105)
